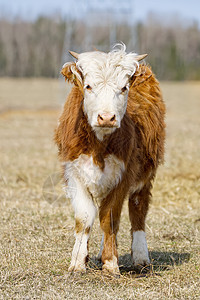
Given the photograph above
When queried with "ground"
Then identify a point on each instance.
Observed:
(36, 222)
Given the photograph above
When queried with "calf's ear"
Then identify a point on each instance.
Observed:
(72, 74)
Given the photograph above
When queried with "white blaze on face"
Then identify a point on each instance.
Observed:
(106, 84)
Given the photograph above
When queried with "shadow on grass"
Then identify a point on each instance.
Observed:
(160, 261)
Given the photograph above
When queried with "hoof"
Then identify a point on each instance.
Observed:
(144, 269)
(142, 265)
(113, 273)
(139, 260)
(77, 269)
(111, 267)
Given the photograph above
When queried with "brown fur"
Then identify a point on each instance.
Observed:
(139, 142)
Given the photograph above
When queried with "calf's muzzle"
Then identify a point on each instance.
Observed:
(106, 120)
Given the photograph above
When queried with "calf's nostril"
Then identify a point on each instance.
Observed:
(112, 119)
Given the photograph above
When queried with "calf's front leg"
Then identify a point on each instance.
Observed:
(85, 212)
(109, 220)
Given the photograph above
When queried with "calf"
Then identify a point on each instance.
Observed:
(111, 140)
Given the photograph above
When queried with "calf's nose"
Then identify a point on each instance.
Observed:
(106, 120)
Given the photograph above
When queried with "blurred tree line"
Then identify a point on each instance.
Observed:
(36, 48)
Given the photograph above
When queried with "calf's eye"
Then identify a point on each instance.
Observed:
(124, 89)
(88, 87)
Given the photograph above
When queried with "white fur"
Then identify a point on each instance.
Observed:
(82, 202)
(107, 74)
(79, 253)
(85, 212)
(101, 132)
(97, 182)
(107, 100)
(140, 254)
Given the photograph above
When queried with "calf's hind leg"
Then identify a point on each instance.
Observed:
(138, 207)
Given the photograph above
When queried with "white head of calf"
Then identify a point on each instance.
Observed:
(105, 79)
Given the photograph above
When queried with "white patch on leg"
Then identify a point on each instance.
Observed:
(82, 201)
(140, 253)
(85, 212)
(79, 253)
(111, 266)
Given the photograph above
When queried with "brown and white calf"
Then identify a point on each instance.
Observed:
(111, 140)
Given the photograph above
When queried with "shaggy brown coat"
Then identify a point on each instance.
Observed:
(139, 142)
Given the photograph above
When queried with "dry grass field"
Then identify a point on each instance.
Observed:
(36, 221)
